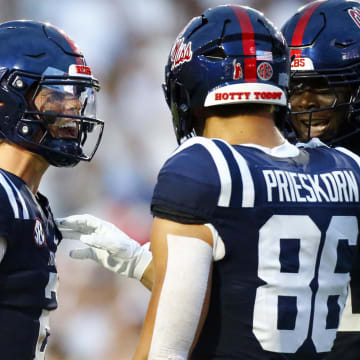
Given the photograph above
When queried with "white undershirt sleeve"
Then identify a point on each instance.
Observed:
(182, 297)
(218, 243)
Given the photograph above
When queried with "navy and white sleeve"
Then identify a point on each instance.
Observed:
(189, 186)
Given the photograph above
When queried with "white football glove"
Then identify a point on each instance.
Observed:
(108, 245)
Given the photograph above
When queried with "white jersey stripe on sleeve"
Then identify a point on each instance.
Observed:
(23, 205)
(220, 163)
(248, 190)
(10, 195)
(349, 153)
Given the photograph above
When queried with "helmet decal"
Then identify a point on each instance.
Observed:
(355, 15)
(79, 70)
(302, 64)
(248, 42)
(246, 93)
(238, 72)
(265, 71)
(180, 53)
(262, 55)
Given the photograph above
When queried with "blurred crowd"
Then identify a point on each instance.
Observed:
(126, 43)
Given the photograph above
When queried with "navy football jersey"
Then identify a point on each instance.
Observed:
(289, 219)
(347, 342)
(28, 275)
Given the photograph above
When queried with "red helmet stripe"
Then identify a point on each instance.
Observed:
(301, 26)
(248, 41)
(74, 47)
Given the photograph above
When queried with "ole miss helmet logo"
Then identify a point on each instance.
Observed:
(355, 15)
(180, 53)
(39, 235)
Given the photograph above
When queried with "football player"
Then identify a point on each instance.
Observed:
(47, 117)
(324, 38)
(253, 238)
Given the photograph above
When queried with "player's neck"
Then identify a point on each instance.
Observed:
(28, 166)
(244, 129)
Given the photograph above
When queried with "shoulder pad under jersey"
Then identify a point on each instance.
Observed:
(190, 180)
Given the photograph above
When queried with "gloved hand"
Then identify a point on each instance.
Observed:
(108, 245)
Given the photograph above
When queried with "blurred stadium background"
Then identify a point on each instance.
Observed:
(126, 43)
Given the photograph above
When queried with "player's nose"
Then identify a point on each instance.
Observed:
(308, 100)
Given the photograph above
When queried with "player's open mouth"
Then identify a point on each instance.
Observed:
(318, 126)
(67, 124)
(65, 129)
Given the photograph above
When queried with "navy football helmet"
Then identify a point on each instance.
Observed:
(230, 54)
(47, 94)
(324, 39)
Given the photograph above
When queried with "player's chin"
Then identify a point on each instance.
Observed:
(302, 132)
(328, 135)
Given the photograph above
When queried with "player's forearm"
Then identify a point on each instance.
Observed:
(181, 270)
(148, 276)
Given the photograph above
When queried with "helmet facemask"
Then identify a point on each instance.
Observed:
(325, 104)
(59, 121)
(324, 41)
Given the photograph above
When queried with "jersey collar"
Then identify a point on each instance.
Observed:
(282, 151)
